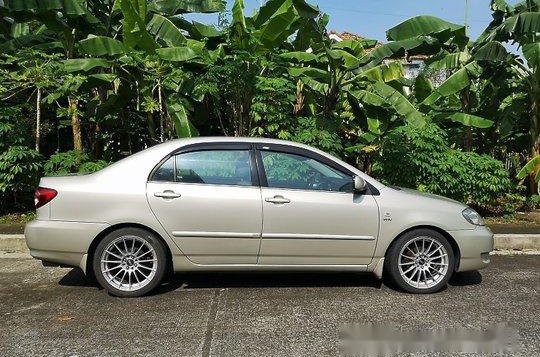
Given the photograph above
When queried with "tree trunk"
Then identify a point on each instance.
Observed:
(465, 107)
(38, 118)
(161, 116)
(151, 127)
(75, 125)
(299, 101)
(535, 135)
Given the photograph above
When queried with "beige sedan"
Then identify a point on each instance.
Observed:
(234, 204)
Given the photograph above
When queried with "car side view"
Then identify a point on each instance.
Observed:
(235, 204)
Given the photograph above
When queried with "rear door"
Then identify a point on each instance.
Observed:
(311, 215)
(208, 200)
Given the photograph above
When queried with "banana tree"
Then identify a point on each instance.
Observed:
(446, 44)
(350, 76)
(112, 29)
(517, 24)
(248, 53)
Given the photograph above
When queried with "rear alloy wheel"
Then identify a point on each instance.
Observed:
(420, 261)
(129, 262)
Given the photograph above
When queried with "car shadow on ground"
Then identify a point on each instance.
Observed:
(271, 280)
(221, 280)
(466, 278)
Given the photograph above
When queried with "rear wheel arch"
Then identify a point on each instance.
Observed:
(91, 250)
(445, 234)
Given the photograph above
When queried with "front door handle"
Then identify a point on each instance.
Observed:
(167, 194)
(277, 199)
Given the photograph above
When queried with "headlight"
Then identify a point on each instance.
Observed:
(473, 217)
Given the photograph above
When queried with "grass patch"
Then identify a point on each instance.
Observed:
(17, 218)
(526, 219)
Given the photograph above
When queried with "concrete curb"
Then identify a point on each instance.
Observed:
(13, 243)
(511, 242)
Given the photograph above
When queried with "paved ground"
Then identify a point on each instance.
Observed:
(53, 311)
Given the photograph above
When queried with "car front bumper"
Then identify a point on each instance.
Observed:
(61, 242)
(474, 246)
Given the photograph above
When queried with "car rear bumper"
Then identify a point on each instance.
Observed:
(61, 242)
(474, 246)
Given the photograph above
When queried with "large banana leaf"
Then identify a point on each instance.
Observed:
(175, 7)
(533, 166)
(491, 51)
(448, 61)
(85, 64)
(398, 49)
(399, 103)
(238, 18)
(531, 52)
(382, 95)
(471, 120)
(428, 26)
(278, 27)
(178, 114)
(200, 31)
(68, 7)
(455, 83)
(100, 46)
(319, 87)
(271, 7)
(134, 25)
(31, 40)
(523, 24)
(164, 29)
(176, 54)
(422, 87)
(385, 72)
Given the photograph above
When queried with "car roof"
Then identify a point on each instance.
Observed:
(235, 139)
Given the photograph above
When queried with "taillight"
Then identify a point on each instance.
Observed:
(43, 196)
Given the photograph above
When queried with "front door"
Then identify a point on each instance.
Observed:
(210, 204)
(311, 215)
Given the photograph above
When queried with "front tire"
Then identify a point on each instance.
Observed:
(129, 262)
(421, 261)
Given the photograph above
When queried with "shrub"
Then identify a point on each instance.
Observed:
(20, 170)
(20, 165)
(420, 158)
(71, 162)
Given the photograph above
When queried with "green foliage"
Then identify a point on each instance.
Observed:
(20, 166)
(272, 108)
(71, 162)
(422, 159)
(310, 131)
(19, 169)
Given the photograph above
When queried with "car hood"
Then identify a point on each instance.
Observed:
(418, 194)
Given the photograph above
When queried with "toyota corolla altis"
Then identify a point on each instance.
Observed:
(235, 204)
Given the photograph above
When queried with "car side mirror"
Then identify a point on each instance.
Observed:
(360, 184)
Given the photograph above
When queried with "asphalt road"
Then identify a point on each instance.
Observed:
(53, 311)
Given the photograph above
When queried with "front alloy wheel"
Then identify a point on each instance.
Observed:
(420, 261)
(129, 262)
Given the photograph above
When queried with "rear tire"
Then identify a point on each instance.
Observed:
(421, 261)
(129, 262)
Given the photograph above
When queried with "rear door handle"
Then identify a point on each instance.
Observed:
(167, 194)
(277, 199)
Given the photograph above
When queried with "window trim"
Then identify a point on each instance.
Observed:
(258, 175)
(210, 147)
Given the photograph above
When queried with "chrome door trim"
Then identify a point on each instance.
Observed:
(200, 234)
(314, 236)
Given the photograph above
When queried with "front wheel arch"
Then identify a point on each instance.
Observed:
(91, 250)
(449, 238)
